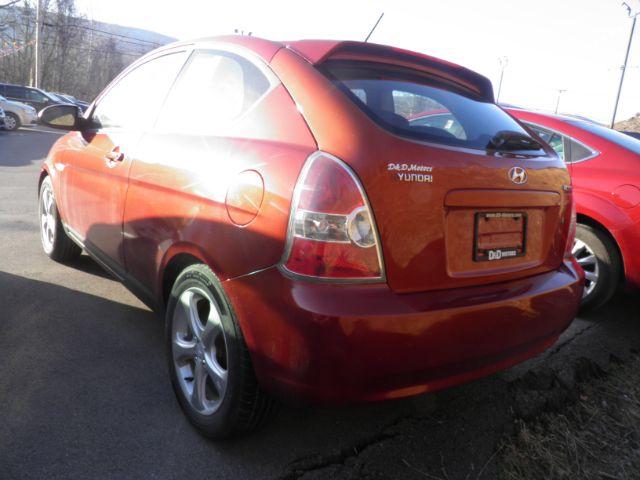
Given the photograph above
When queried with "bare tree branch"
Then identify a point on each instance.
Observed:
(7, 5)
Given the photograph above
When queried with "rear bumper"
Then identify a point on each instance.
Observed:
(345, 343)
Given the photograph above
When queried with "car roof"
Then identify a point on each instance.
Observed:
(17, 85)
(316, 51)
(561, 117)
(313, 50)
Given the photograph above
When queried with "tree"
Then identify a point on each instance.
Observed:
(75, 57)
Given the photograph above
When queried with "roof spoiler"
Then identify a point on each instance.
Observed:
(318, 51)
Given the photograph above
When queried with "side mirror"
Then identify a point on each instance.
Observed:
(62, 117)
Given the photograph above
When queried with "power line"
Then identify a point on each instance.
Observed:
(107, 33)
(96, 50)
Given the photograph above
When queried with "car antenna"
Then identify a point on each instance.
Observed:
(374, 27)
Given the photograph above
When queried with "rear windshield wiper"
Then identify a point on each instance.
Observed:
(507, 140)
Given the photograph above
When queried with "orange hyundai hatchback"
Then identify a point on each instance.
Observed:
(309, 224)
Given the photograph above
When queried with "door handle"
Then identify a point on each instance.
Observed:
(114, 155)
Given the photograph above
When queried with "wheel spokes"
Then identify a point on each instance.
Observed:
(198, 393)
(47, 218)
(183, 349)
(217, 374)
(199, 350)
(587, 260)
(189, 304)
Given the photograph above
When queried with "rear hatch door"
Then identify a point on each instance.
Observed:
(461, 194)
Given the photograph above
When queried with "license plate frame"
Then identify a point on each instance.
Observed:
(501, 252)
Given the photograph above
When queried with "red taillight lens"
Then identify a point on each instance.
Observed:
(571, 234)
(332, 233)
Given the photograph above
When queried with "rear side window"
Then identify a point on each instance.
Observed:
(213, 89)
(417, 106)
(578, 152)
(567, 148)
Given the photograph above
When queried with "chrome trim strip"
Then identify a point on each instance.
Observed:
(290, 228)
(73, 235)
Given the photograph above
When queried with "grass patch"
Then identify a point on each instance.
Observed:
(598, 437)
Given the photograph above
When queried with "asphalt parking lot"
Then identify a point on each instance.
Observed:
(84, 392)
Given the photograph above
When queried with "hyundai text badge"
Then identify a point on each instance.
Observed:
(518, 175)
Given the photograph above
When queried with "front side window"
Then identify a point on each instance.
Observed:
(134, 102)
(414, 105)
(214, 89)
(36, 96)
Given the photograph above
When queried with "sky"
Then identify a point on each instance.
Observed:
(572, 45)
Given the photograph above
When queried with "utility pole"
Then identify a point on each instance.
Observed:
(560, 92)
(626, 58)
(503, 61)
(374, 27)
(37, 48)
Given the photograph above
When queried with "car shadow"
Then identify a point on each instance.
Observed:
(86, 264)
(83, 384)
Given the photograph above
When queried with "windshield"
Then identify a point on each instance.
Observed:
(410, 104)
(620, 139)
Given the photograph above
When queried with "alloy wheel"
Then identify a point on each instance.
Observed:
(47, 219)
(10, 122)
(199, 350)
(589, 263)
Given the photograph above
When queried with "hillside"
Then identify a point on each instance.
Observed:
(630, 125)
(129, 39)
(78, 56)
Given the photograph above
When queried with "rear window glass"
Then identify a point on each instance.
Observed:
(413, 105)
(620, 139)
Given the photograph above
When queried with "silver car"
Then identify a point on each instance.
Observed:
(17, 114)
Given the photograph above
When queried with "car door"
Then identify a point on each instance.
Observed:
(216, 129)
(37, 99)
(98, 162)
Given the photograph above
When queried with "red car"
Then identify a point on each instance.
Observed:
(304, 240)
(604, 169)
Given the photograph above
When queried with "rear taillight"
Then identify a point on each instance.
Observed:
(571, 233)
(332, 233)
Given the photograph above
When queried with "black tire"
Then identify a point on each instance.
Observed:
(15, 123)
(58, 246)
(609, 266)
(244, 406)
